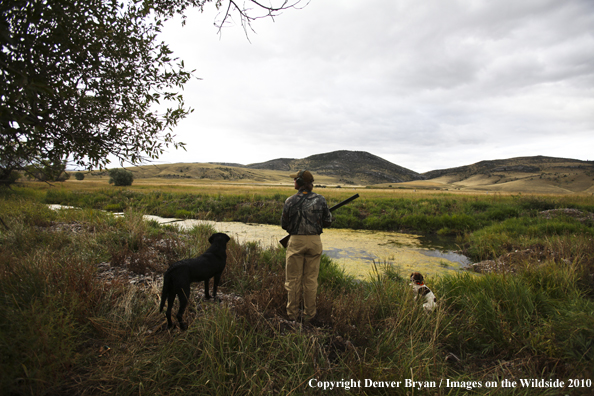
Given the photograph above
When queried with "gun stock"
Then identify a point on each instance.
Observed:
(285, 241)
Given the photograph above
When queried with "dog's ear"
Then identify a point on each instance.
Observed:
(416, 277)
(211, 239)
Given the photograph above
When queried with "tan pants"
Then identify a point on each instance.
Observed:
(302, 269)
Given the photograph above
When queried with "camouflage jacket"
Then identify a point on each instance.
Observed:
(305, 213)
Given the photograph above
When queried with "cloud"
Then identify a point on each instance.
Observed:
(426, 85)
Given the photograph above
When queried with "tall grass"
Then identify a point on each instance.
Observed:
(502, 237)
(68, 330)
(444, 214)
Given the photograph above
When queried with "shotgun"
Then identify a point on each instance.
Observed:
(285, 240)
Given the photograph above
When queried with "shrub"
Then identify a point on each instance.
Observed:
(79, 176)
(120, 177)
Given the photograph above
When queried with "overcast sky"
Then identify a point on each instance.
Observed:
(425, 84)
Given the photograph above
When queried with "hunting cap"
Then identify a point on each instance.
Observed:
(304, 175)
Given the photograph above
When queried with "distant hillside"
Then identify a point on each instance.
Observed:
(282, 164)
(205, 172)
(530, 174)
(541, 175)
(335, 168)
(348, 167)
(519, 164)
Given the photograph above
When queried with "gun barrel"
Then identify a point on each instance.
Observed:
(346, 201)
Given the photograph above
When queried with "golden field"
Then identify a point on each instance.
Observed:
(536, 175)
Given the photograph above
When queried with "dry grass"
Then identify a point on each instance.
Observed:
(542, 176)
(549, 177)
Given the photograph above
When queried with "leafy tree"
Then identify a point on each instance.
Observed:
(63, 176)
(46, 170)
(79, 176)
(13, 177)
(83, 79)
(120, 177)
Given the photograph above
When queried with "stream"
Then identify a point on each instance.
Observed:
(355, 250)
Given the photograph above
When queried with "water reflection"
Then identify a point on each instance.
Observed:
(448, 255)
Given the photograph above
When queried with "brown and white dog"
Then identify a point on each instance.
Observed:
(420, 289)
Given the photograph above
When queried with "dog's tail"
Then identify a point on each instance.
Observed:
(165, 291)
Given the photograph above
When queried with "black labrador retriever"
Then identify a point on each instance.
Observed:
(177, 279)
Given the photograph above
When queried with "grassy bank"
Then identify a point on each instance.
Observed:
(71, 328)
(443, 213)
(487, 226)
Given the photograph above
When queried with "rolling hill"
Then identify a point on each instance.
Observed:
(536, 174)
(347, 167)
(539, 174)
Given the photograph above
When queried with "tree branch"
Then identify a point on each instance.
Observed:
(247, 17)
